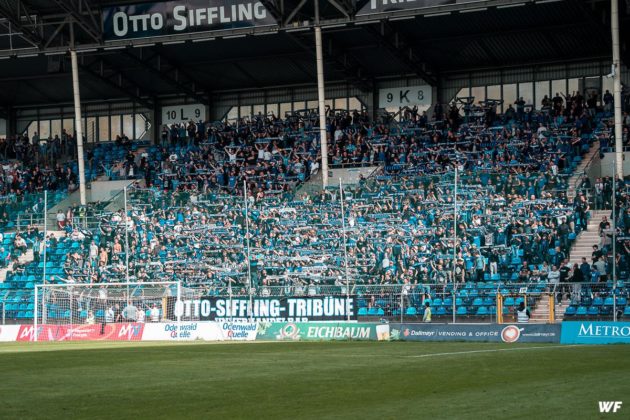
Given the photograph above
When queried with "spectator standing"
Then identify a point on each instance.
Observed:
(427, 312)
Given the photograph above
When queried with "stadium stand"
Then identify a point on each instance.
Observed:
(515, 224)
(406, 232)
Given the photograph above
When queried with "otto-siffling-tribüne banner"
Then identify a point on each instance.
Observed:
(280, 309)
(176, 17)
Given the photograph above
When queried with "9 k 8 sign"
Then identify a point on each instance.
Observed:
(405, 96)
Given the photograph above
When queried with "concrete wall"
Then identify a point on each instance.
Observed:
(106, 190)
(349, 176)
(607, 164)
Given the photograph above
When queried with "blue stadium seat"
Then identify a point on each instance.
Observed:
(482, 311)
(571, 311)
(581, 311)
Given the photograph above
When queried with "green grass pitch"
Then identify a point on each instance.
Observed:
(311, 380)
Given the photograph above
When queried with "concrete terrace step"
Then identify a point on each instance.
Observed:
(583, 245)
(28, 257)
(586, 160)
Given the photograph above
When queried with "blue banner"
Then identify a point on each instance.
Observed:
(586, 332)
(511, 333)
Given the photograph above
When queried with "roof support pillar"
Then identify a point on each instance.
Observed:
(77, 119)
(319, 58)
(616, 70)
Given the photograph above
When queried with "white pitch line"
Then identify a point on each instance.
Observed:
(491, 351)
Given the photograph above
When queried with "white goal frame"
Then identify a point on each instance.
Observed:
(39, 288)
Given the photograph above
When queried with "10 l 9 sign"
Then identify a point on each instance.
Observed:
(181, 114)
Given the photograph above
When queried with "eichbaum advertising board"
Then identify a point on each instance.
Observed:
(586, 332)
(324, 331)
(511, 333)
(282, 309)
(182, 16)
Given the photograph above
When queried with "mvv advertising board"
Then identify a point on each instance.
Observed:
(183, 16)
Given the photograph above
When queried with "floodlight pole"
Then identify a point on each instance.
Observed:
(455, 238)
(44, 312)
(345, 248)
(616, 70)
(36, 314)
(125, 226)
(45, 233)
(614, 240)
(323, 138)
(249, 270)
(77, 116)
(178, 312)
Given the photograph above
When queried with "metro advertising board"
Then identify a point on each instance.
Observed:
(281, 309)
(182, 16)
(511, 333)
(595, 332)
(382, 6)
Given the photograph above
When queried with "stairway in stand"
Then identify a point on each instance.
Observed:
(540, 314)
(583, 245)
(581, 168)
(27, 257)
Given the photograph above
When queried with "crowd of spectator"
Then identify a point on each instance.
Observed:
(188, 220)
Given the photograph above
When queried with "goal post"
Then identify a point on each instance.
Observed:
(76, 308)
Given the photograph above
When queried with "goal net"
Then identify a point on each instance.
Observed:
(103, 311)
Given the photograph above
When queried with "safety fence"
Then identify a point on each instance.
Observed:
(460, 303)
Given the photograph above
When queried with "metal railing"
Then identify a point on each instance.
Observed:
(449, 303)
